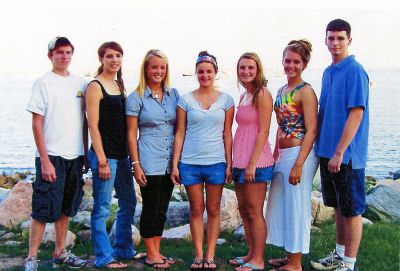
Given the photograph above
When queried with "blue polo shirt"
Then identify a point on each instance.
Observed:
(156, 122)
(204, 144)
(344, 86)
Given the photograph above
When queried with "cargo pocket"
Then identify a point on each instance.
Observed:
(41, 201)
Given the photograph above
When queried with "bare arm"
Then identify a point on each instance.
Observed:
(132, 124)
(264, 110)
(349, 131)
(309, 104)
(93, 98)
(47, 168)
(180, 131)
(85, 137)
(227, 134)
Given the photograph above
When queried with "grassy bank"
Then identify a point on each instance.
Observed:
(380, 250)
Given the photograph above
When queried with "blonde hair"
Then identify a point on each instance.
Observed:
(141, 87)
(302, 47)
(259, 81)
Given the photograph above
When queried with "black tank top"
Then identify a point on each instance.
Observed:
(112, 125)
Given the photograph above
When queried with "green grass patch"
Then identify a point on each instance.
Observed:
(380, 250)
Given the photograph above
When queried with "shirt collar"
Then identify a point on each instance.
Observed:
(344, 62)
(147, 91)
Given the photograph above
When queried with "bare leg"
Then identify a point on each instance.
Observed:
(340, 228)
(61, 228)
(240, 194)
(353, 235)
(294, 262)
(196, 200)
(213, 205)
(254, 198)
(35, 237)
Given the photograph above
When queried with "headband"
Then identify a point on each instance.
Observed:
(209, 59)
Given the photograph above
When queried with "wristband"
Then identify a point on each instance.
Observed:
(102, 164)
(134, 162)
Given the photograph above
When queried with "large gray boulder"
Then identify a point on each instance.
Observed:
(17, 207)
(181, 232)
(319, 212)
(49, 235)
(178, 213)
(82, 218)
(383, 203)
(3, 193)
(135, 235)
(230, 216)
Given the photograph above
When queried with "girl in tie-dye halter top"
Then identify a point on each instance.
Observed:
(289, 115)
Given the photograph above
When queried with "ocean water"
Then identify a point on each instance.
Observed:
(17, 148)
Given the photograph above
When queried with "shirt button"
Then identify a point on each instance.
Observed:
(165, 111)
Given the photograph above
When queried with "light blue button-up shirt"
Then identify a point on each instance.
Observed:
(156, 122)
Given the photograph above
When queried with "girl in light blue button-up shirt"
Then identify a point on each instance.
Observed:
(150, 110)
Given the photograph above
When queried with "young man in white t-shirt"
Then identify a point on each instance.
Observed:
(60, 132)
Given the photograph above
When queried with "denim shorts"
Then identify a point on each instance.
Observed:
(196, 174)
(263, 175)
(345, 189)
(52, 199)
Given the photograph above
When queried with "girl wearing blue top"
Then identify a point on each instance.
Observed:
(151, 110)
(203, 150)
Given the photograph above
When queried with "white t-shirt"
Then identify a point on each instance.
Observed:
(61, 101)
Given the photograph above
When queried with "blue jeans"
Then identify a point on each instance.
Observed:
(122, 180)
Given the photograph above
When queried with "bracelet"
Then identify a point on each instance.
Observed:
(134, 162)
(102, 165)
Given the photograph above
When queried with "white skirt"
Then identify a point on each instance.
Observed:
(288, 212)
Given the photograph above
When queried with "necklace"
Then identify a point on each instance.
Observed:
(155, 94)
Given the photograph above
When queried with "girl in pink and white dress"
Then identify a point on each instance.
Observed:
(253, 162)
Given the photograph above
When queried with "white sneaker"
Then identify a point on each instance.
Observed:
(331, 262)
(31, 264)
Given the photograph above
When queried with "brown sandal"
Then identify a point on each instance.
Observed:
(278, 262)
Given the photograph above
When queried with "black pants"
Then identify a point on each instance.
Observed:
(156, 196)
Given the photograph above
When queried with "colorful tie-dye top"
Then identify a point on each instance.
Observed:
(289, 115)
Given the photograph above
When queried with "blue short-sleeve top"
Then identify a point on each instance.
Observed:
(156, 122)
(204, 143)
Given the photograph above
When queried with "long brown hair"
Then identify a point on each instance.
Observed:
(260, 81)
(101, 52)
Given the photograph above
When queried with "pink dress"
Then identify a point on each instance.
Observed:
(246, 137)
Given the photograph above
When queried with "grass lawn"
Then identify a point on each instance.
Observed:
(380, 250)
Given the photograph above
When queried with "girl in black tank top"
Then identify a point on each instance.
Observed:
(108, 159)
(112, 124)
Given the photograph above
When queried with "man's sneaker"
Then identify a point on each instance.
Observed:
(31, 264)
(342, 267)
(67, 258)
(331, 262)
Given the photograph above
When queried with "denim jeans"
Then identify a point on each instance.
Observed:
(122, 180)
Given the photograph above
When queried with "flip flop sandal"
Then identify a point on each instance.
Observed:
(199, 263)
(278, 262)
(251, 266)
(169, 260)
(121, 265)
(208, 262)
(157, 263)
(237, 261)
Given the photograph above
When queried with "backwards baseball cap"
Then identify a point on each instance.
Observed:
(58, 42)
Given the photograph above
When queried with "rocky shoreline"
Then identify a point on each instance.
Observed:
(383, 199)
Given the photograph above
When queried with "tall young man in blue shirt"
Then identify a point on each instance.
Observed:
(342, 143)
